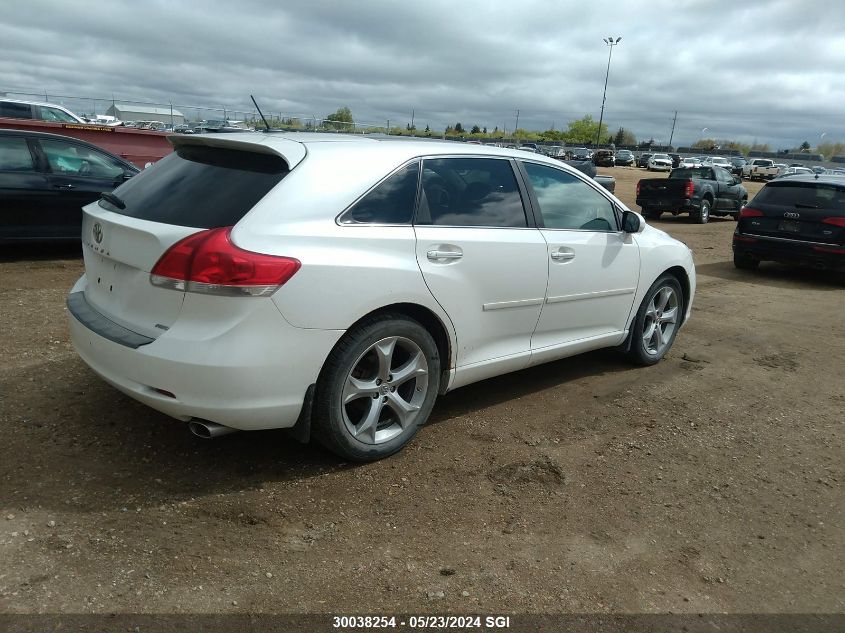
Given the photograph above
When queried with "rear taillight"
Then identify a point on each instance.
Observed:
(689, 189)
(835, 221)
(208, 262)
(638, 190)
(748, 212)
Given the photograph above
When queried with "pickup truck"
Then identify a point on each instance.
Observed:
(699, 191)
(760, 169)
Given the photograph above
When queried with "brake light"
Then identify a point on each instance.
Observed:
(689, 189)
(638, 190)
(207, 262)
(835, 221)
(748, 212)
(822, 249)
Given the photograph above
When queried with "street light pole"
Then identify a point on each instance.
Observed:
(611, 43)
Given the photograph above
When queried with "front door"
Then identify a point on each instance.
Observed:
(482, 261)
(593, 266)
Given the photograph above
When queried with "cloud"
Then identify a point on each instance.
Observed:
(766, 70)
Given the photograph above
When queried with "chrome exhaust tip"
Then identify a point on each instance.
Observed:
(209, 430)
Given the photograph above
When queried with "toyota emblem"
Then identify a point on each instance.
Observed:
(98, 232)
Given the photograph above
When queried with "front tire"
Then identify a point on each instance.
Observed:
(657, 321)
(377, 388)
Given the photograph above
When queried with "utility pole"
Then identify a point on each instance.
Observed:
(388, 127)
(611, 43)
(412, 119)
(516, 125)
(673, 128)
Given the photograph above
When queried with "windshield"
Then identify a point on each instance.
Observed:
(661, 157)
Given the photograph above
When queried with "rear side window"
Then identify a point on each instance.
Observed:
(14, 154)
(202, 187)
(470, 192)
(15, 110)
(390, 202)
(809, 195)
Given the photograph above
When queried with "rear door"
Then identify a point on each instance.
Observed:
(482, 260)
(77, 176)
(195, 188)
(25, 196)
(593, 266)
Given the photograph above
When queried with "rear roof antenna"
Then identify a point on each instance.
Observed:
(267, 125)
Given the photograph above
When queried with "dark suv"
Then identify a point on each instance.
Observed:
(796, 219)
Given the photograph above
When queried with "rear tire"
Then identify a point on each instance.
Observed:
(656, 324)
(377, 388)
(702, 216)
(743, 261)
(652, 214)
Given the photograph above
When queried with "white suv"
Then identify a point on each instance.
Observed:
(338, 284)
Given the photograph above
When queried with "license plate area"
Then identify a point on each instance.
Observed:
(789, 226)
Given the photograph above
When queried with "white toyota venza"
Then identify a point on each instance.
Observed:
(335, 285)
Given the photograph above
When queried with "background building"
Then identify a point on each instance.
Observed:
(145, 113)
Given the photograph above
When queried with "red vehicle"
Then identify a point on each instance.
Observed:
(137, 146)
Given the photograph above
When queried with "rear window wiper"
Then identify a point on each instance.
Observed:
(113, 199)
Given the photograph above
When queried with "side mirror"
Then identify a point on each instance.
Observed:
(632, 222)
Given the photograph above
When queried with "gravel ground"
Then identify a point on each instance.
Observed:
(711, 482)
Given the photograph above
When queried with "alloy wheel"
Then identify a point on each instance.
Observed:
(661, 319)
(384, 390)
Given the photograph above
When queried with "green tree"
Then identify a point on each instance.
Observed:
(484, 131)
(341, 119)
(427, 129)
(805, 146)
(624, 137)
(585, 130)
(459, 129)
(475, 130)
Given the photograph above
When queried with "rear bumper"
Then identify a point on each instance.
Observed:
(249, 372)
(669, 204)
(788, 251)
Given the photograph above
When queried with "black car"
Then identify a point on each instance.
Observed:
(46, 179)
(625, 157)
(800, 219)
(676, 160)
(642, 161)
(737, 163)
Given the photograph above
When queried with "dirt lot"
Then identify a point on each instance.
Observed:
(711, 482)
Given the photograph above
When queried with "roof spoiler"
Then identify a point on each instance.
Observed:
(292, 152)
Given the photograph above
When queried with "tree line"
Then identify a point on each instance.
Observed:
(583, 131)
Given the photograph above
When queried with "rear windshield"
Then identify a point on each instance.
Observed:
(807, 195)
(690, 172)
(202, 187)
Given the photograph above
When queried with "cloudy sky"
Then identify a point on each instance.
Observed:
(754, 70)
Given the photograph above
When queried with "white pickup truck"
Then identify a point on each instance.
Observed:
(760, 169)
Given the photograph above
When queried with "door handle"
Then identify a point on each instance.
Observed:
(564, 256)
(432, 255)
(67, 186)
